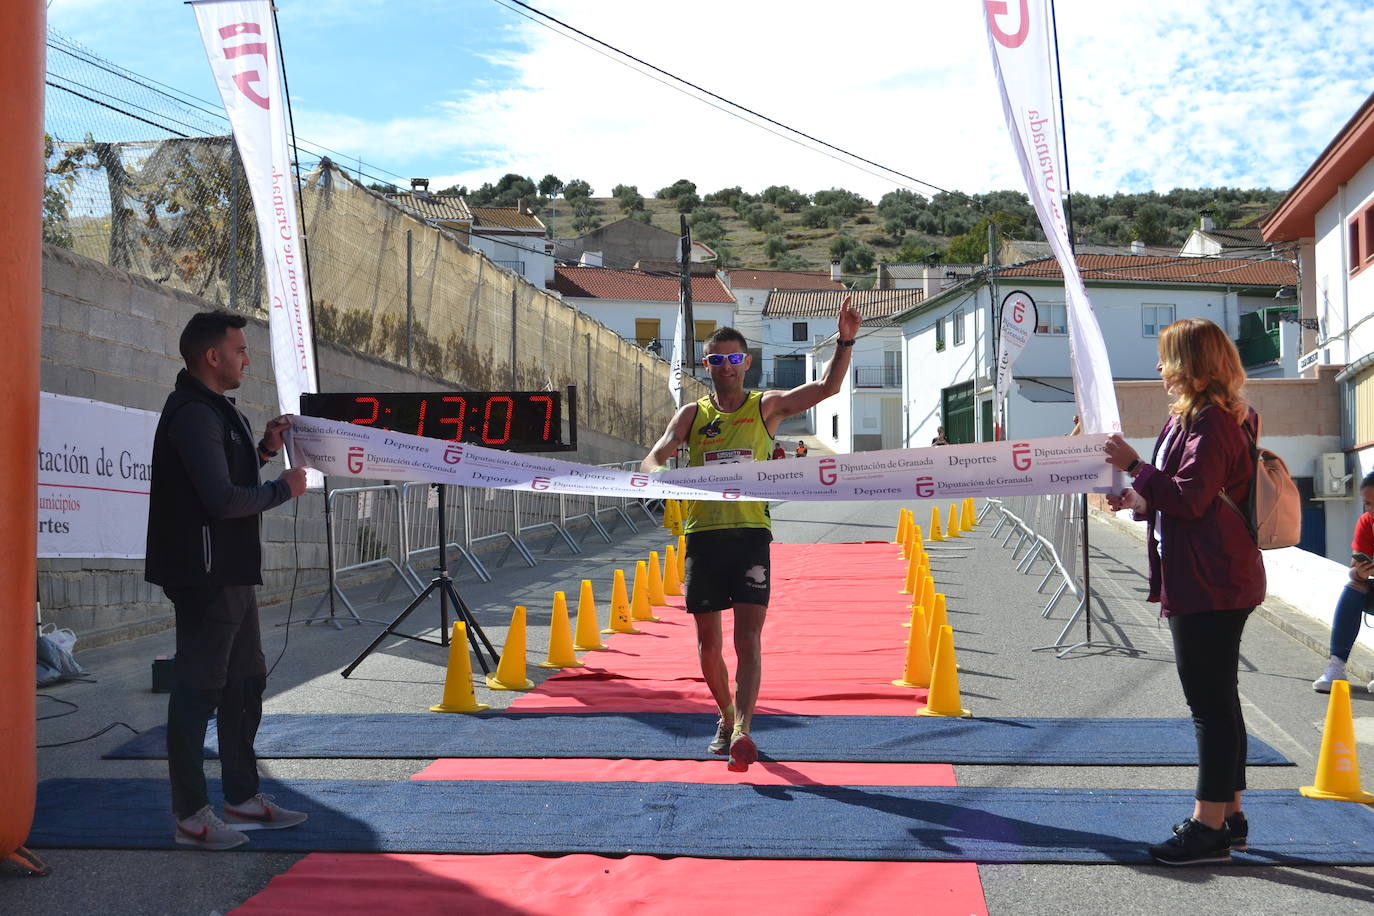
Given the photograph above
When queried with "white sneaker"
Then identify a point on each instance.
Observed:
(1335, 671)
(261, 813)
(1370, 688)
(205, 830)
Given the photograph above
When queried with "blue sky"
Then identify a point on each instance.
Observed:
(1158, 95)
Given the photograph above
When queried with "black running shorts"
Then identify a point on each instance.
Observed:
(728, 566)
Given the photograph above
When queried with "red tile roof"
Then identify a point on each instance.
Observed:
(782, 279)
(873, 305)
(1211, 271)
(437, 207)
(505, 218)
(604, 283)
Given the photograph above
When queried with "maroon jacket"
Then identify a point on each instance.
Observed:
(1210, 562)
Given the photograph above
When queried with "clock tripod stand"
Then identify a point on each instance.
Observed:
(442, 584)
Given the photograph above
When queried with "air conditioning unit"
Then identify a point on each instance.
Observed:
(1332, 481)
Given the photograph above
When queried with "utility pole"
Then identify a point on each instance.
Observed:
(689, 344)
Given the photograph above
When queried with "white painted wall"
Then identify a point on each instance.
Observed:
(859, 409)
(538, 265)
(619, 315)
(1344, 303)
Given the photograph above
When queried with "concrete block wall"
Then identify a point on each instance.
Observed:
(112, 336)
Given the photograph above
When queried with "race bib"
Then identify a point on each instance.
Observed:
(729, 456)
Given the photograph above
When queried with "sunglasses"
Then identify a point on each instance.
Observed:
(720, 359)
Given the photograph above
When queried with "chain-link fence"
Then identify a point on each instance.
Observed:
(143, 177)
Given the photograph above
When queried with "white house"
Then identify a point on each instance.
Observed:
(1207, 241)
(1328, 217)
(751, 289)
(949, 341)
(642, 307)
(866, 413)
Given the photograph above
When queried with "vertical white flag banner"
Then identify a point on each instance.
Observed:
(1023, 61)
(240, 40)
(1017, 326)
(676, 367)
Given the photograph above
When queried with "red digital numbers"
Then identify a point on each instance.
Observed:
(504, 437)
(376, 411)
(457, 421)
(548, 414)
(420, 427)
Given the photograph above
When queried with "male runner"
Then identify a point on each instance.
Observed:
(727, 542)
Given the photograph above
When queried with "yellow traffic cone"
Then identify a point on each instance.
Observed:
(510, 671)
(952, 528)
(620, 607)
(682, 559)
(917, 670)
(679, 516)
(913, 567)
(1338, 767)
(670, 510)
(908, 545)
(458, 695)
(656, 596)
(935, 619)
(944, 680)
(639, 595)
(588, 629)
(561, 653)
(672, 582)
(970, 517)
(927, 599)
(900, 536)
(935, 524)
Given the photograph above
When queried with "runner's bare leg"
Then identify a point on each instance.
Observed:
(710, 646)
(749, 661)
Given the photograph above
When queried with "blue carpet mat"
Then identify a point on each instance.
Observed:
(667, 736)
(964, 824)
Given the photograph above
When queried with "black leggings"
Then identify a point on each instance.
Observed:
(1207, 653)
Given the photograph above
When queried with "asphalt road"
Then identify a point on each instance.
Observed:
(1126, 672)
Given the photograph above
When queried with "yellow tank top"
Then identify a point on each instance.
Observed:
(728, 438)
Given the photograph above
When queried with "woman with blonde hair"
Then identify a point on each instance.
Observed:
(1205, 567)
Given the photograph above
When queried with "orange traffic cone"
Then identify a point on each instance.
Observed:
(588, 629)
(639, 595)
(620, 607)
(656, 596)
(561, 653)
(935, 534)
(672, 582)
(510, 671)
(917, 670)
(458, 694)
(970, 516)
(944, 681)
(952, 528)
(1338, 767)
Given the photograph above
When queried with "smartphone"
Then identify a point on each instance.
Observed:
(1362, 558)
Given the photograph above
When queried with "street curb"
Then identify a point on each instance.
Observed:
(1300, 626)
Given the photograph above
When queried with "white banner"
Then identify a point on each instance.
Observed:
(94, 469)
(1035, 466)
(1023, 60)
(676, 368)
(1017, 326)
(240, 40)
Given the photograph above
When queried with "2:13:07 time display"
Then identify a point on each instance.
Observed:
(508, 420)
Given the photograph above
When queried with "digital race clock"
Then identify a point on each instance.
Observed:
(513, 421)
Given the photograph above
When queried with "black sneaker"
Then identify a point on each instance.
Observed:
(1194, 843)
(1240, 831)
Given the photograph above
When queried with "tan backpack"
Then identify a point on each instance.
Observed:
(1273, 510)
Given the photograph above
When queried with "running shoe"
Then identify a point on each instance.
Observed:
(204, 830)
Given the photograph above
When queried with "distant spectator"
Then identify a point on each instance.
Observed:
(939, 437)
(778, 451)
(801, 449)
(1077, 426)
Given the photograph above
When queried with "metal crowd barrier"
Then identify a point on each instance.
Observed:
(1048, 528)
(367, 533)
(420, 512)
(392, 528)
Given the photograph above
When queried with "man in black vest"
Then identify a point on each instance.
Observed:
(204, 549)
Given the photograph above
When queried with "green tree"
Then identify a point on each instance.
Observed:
(687, 201)
(857, 260)
(585, 217)
(1150, 226)
(676, 189)
(550, 185)
(577, 189)
(774, 246)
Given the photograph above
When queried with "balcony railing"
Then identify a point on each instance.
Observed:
(513, 266)
(877, 377)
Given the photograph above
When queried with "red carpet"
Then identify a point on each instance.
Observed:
(832, 645)
(580, 885)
